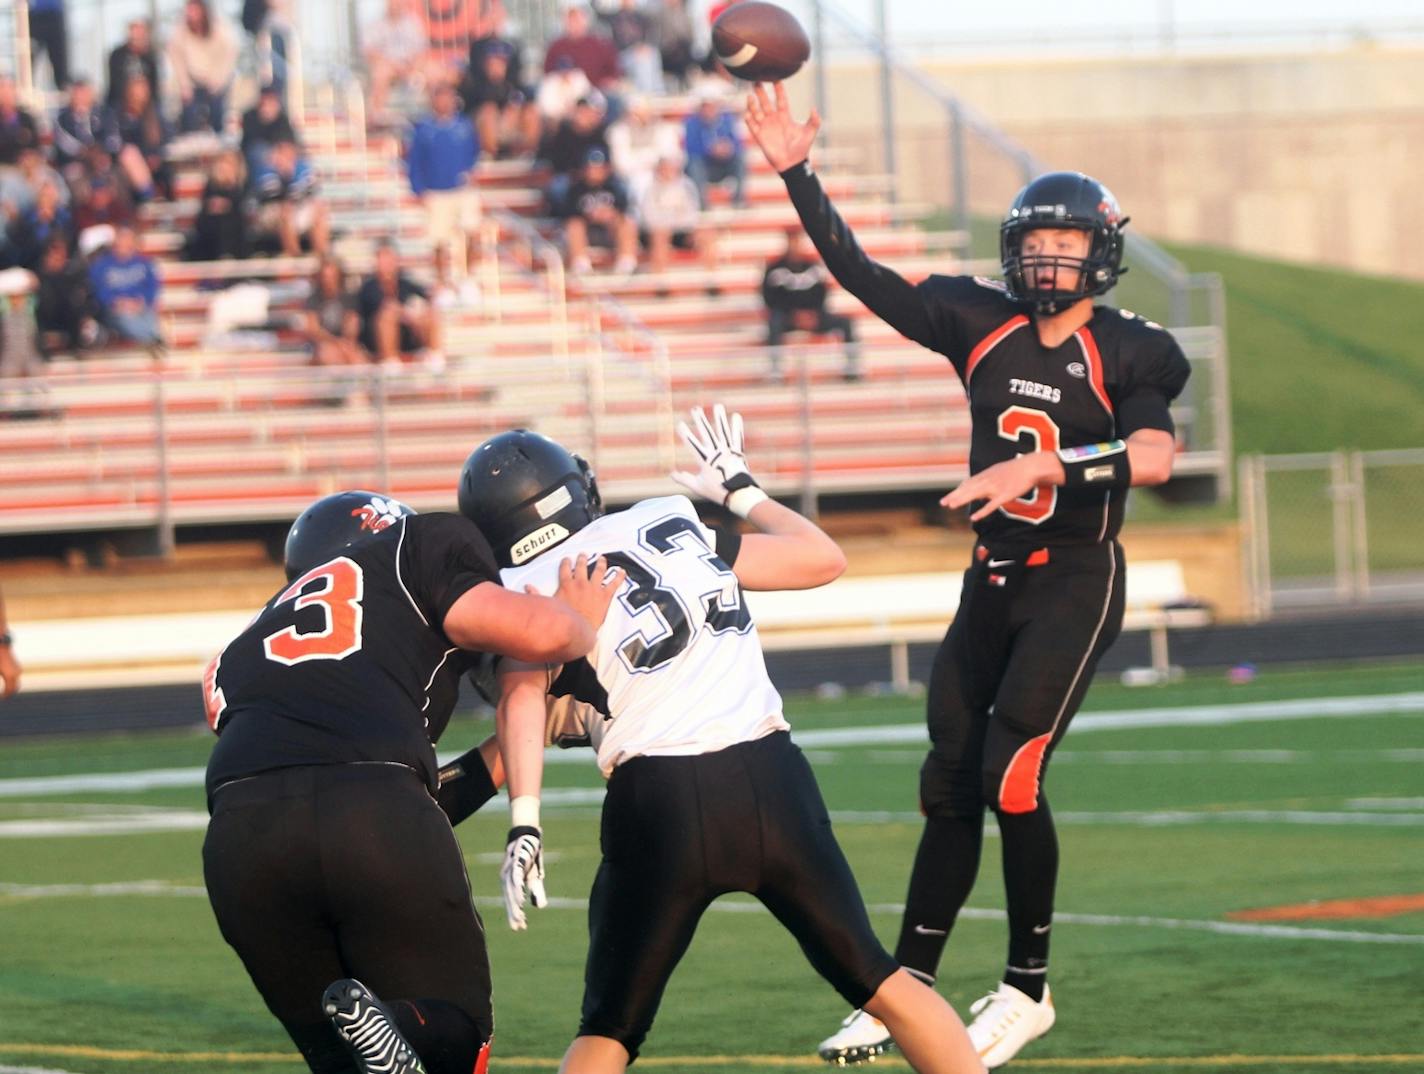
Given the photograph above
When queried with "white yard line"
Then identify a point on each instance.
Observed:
(888, 735)
(744, 906)
(32, 1070)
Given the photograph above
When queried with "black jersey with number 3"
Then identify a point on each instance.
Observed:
(349, 663)
(1115, 375)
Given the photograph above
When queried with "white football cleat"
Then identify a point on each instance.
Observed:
(860, 1039)
(1007, 1019)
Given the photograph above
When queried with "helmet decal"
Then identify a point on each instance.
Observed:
(379, 514)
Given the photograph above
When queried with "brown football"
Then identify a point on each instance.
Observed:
(760, 42)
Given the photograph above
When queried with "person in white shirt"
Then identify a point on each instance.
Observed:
(707, 794)
(637, 141)
(669, 214)
(395, 52)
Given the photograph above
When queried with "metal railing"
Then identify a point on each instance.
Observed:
(1332, 528)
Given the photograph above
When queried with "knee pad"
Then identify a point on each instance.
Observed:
(947, 793)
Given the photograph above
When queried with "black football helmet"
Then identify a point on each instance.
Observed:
(336, 522)
(1063, 200)
(527, 494)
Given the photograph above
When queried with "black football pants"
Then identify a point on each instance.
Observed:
(322, 872)
(1007, 679)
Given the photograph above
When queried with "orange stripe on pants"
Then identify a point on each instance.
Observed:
(1018, 793)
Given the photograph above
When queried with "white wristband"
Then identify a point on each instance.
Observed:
(524, 811)
(741, 502)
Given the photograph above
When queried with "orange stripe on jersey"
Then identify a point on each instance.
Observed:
(989, 342)
(1018, 793)
(482, 1060)
(1094, 360)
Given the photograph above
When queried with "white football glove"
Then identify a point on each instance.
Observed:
(523, 869)
(722, 475)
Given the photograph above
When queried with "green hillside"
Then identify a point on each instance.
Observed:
(1319, 359)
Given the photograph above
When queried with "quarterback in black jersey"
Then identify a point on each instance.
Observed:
(327, 858)
(1069, 404)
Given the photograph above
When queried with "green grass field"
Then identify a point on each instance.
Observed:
(1166, 830)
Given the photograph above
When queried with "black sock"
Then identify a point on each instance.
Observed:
(1030, 849)
(445, 1037)
(945, 866)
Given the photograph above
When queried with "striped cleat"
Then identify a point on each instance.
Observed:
(368, 1030)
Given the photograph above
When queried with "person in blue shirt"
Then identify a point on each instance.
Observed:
(714, 149)
(440, 160)
(126, 284)
(289, 214)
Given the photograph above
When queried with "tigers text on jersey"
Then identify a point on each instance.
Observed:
(1115, 375)
(677, 668)
(349, 663)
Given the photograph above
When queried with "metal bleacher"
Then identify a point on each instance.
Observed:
(207, 431)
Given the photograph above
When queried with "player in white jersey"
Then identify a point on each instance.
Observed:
(706, 792)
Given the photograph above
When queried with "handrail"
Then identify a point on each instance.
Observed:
(554, 279)
(661, 370)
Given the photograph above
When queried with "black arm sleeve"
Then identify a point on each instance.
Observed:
(884, 291)
(729, 545)
(1157, 375)
(443, 557)
(465, 785)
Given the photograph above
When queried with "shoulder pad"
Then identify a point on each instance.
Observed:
(992, 284)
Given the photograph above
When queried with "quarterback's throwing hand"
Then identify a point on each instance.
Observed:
(784, 141)
(722, 475)
(522, 871)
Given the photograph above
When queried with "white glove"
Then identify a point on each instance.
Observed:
(523, 869)
(722, 474)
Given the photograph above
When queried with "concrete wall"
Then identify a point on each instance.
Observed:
(1315, 158)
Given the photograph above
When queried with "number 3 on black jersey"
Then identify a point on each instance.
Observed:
(1015, 423)
(339, 598)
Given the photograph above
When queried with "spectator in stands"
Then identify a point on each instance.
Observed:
(668, 218)
(290, 217)
(592, 53)
(631, 29)
(714, 148)
(567, 148)
(220, 230)
(637, 141)
(102, 197)
(144, 134)
(794, 290)
(203, 56)
(597, 215)
(135, 58)
(396, 314)
(332, 323)
(64, 303)
(82, 123)
(20, 185)
(495, 35)
(268, 22)
(19, 338)
(395, 52)
(672, 29)
(444, 149)
(450, 26)
(560, 89)
(504, 111)
(18, 130)
(49, 34)
(45, 221)
(263, 125)
(126, 286)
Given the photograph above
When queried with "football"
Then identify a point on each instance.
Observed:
(760, 42)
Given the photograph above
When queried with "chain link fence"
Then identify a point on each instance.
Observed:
(1333, 528)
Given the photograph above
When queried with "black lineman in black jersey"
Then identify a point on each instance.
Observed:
(327, 856)
(1069, 404)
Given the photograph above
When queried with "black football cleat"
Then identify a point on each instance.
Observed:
(368, 1029)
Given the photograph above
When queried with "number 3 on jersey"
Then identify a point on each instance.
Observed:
(339, 598)
(1015, 423)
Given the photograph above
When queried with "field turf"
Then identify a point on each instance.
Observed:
(1171, 828)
